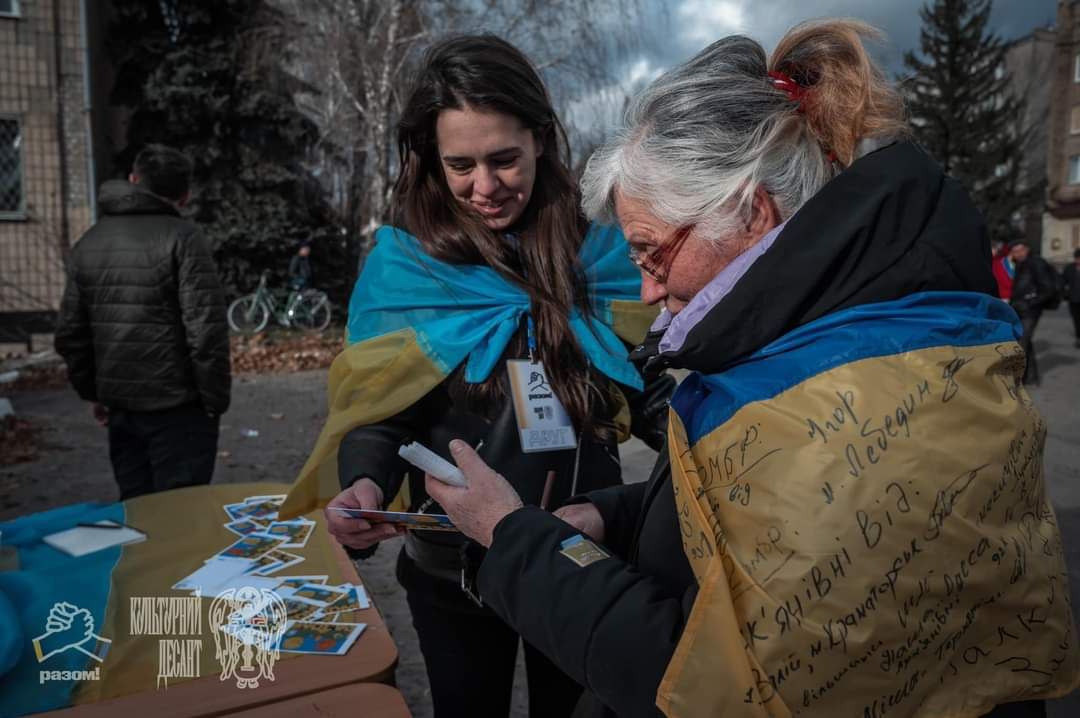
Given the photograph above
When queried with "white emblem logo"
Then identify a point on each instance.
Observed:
(247, 624)
(69, 627)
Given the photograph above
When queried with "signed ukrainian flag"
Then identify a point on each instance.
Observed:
(413, 320)
(862, 503)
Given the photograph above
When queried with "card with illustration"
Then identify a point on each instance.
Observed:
(264, 564)
(355, 599)
(296, 532)
(411, 521)
(293, 582)
(282, 559)
(252, 546)
(345, 617)
(244, 527)
(332, 639)
(298, 610)
(320, 594)
(254, 510)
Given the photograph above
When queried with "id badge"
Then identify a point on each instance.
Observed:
(543, 423)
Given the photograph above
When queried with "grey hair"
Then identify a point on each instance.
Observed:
(702, 138)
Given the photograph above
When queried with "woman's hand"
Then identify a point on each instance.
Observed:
(585, 518)
(357, 533)
(485, 500)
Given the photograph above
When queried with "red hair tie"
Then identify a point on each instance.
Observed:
(794, 91)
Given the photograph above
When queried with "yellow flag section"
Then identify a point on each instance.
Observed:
(874, 540)
(368, 382)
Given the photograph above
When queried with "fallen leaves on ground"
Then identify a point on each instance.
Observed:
(285, 352)
(266, 353)
(38, 379)
(18, 441)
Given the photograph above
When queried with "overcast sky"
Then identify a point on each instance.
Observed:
(692, 24)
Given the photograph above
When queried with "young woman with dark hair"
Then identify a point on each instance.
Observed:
(496, 314)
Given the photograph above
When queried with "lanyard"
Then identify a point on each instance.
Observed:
(531, 333)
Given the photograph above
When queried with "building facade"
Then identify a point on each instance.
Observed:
(47, 168)
(1029, 62)
(1061, 220)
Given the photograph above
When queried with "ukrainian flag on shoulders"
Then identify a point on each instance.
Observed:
(862, 503)
(413, 320)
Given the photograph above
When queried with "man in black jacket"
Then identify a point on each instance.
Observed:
(1072, 292)
(142, 329)
(1034, 286)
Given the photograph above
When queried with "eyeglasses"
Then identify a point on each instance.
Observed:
(657, 263)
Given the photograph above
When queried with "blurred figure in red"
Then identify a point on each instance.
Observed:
(1004, 269)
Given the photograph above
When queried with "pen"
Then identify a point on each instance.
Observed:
(106, 526)
(548, 483)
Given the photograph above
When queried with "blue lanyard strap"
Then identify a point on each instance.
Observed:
(531, 329)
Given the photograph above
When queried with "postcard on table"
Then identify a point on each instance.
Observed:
(294, 582)
(251, 546)
(297, 532)
(323, 595)
(411, 521)
(213, 573)
(244, 527)
(345, 617)
(257, 510)
(299, 610)
(332, 639)
(281, 559)
(355, 598)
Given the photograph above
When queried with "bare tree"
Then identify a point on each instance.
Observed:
(357, 58)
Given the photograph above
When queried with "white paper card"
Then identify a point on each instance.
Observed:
(82, 540)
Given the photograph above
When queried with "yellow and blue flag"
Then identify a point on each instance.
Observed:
(863, 506)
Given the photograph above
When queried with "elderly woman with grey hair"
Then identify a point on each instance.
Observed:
(849, 518)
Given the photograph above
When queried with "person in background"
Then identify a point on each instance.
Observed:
(850, 517)
(1034, 289)
(142, 329)
(300, 268)
(497, 314)
(1071, 280)
(1003, 270)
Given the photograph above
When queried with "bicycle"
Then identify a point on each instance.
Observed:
(307, 309)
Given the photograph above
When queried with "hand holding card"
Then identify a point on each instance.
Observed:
(364, 494)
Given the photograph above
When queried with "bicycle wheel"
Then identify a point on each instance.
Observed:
(247, 315)
(312, 312)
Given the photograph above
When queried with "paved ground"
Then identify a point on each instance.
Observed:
(73, 466)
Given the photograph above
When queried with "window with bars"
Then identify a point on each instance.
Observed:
(9, 8)
(11, 180)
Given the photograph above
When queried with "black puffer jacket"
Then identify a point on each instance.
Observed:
(142, 323)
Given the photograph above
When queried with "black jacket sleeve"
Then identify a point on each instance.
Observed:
(202, 310)
(74, 340)
(608, 627)
(649, 409)
(370, 451)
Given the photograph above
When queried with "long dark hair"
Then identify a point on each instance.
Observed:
(486, 73)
